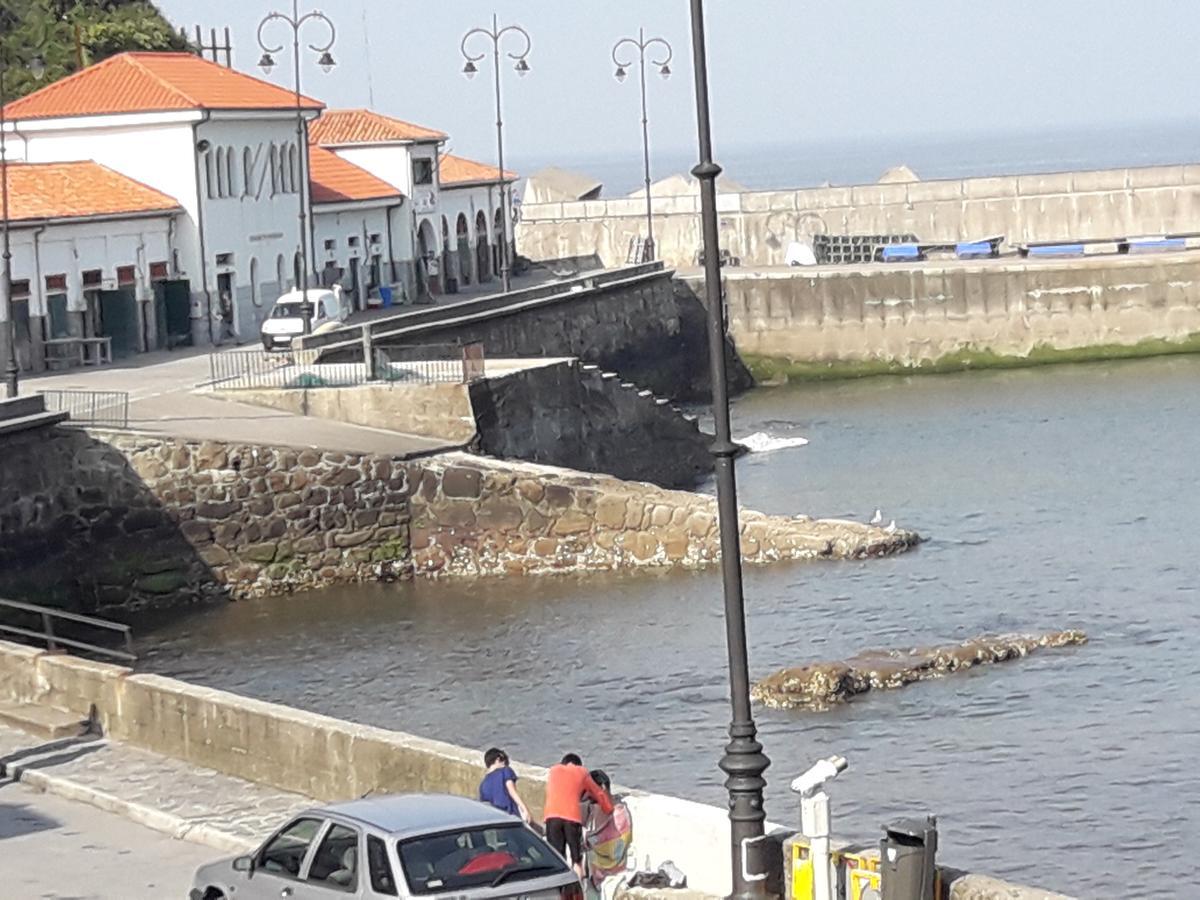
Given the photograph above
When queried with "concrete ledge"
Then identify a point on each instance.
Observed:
(981, 887)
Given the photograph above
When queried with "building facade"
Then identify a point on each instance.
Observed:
(229, 159)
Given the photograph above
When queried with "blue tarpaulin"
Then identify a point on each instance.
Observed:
(901, 252)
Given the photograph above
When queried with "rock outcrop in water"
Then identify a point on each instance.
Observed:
(822, 685)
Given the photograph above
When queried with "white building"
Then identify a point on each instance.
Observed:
(453, 214)
(229, 167)
(92, 254)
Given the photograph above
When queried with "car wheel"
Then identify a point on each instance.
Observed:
(214, 894)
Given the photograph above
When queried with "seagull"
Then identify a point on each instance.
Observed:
(877, 519)
(891, 529)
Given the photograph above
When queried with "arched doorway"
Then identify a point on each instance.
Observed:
(448, 273)
(428, 277)
(483, 250)
(463, 229)
(498, 251)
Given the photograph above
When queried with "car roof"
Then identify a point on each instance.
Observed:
(408, 815)
(297, 296)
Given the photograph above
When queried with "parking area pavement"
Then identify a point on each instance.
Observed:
(163, 400)
(58, 849)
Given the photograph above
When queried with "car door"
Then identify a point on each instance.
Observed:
(335, 868)
(278, 866)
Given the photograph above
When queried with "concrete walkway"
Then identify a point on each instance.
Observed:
(53, 849)
(199, 805)
(163, 400)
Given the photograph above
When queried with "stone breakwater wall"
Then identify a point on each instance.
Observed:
(332, 760)
(883, 318)
(100, 519)
(757, 226)
(90, 520)
(822, 685)
(472, 516)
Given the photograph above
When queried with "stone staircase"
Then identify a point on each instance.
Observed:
(27, 414)
(46, 722)
(648, 398)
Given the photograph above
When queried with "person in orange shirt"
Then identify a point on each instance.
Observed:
(566, 786)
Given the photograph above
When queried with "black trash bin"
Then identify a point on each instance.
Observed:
(906, 859)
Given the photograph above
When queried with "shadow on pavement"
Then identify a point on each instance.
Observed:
(19, 819)
(60, 753)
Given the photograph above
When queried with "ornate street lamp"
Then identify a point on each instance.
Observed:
(744, 762)
(296, 22)
(12, 372)
(642, 45)
(497, 35)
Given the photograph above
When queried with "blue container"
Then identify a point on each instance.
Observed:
(385, 295)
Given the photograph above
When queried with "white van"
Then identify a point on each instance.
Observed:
(330, 308)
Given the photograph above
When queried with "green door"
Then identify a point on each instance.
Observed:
(177, 300)
(60, 323)
(119, 321)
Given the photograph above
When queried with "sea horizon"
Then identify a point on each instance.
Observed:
(845, 161)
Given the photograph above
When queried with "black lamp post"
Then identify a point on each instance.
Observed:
(497, 34)
(296, 22)
(12, 372)
(642, 44)
(744, 762)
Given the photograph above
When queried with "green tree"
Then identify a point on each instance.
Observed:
(71, 34)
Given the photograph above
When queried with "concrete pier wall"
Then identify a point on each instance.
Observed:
(758, 226)
(882, 318)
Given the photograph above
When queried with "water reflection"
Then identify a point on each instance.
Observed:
(1055, 498)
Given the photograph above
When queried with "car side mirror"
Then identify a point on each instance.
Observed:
(243, 864)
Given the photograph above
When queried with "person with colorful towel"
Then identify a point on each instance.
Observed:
(566, 786)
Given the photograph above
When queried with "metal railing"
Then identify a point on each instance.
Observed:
(299, 369)
(105, 409)
(431, 364)
(56, 640)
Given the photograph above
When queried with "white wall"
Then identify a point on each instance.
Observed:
(341, 222)
(71, 249)
(255, 222)
(258, 221)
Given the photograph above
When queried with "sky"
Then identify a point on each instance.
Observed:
(783, 72)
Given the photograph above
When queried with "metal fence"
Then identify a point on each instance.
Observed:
(431, 364)
(300, 369)
(38, 623)
(102, 409)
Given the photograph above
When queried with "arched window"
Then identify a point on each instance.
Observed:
(222, 174)
(281, 273)
(275, 173)
(248, 171)
(231, 171)
(294, 167)
(255, 291)
(210, 175)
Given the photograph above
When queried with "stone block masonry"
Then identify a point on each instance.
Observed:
(480, 517)
(931, 317)
(91, 520)
(96, 520)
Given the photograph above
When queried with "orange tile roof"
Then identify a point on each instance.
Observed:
(455, 171)
(153, 82)
(339, 127)
(73, 190)
(334, 180)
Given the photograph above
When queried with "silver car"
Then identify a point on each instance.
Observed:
(413, 845)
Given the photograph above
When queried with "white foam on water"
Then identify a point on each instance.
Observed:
(761, 442)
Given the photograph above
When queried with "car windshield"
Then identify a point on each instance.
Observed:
(476, 857)
(292, 310)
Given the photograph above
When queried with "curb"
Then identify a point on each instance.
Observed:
(170, 824)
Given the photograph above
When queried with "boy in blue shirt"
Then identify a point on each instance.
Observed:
(499, 785)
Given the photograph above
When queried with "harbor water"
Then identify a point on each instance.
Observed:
(1052, 498)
